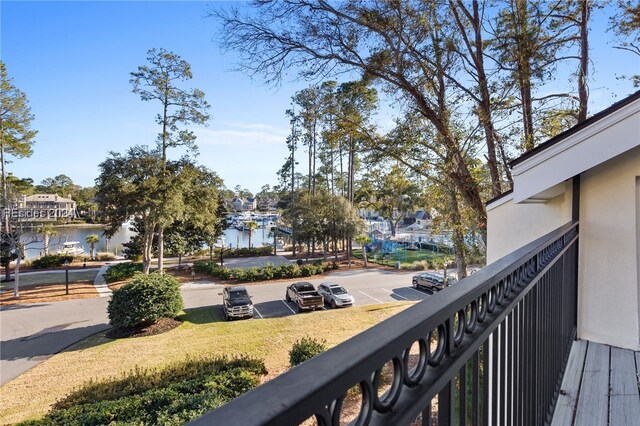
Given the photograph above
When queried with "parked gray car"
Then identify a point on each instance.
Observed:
(428, 281)
(335, 295)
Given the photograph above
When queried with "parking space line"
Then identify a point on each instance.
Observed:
(287, 305)
(402, 297)
(417, 291)
(258, 312)
(379, 301)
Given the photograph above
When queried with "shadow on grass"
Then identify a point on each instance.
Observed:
(202, 315)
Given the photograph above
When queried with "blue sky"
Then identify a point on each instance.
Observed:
(73, 60)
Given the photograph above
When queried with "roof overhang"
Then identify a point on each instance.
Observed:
(538, 178)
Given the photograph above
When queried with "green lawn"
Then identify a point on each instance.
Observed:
(409, 259)
(203, 333)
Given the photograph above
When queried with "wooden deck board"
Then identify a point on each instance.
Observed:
(602, 389)
(593, 402)
(565, 407)
(624, 406)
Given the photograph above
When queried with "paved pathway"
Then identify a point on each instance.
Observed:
(101, 284)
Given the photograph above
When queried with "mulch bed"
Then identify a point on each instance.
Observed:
(49, 293)
(161, 326)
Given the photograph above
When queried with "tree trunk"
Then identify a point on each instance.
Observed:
(148, 247)
(160, 249)
(364, 255)
(5, 218)
(476, 50)
(458, 235)
(583, 91)
(16, 283)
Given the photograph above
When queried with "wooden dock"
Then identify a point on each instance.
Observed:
(601, 386)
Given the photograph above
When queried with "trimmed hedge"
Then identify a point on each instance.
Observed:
(246, 251)
(144, 301)
(172, 396)
(267, 272)
(51, 261)
(122, 271)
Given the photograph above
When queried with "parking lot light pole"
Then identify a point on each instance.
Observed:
(66, 276)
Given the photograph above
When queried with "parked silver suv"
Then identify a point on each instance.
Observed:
(335, 295)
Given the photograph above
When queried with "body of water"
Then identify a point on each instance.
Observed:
(232, 238)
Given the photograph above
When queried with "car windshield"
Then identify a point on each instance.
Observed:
(338, 290)
(239, 293)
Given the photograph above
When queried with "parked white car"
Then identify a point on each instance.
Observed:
(335, 295)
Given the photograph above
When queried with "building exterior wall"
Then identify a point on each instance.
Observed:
(510, 225)
(609, 286)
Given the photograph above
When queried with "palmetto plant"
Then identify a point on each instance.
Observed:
(47, 231)
(92, 240)
(250, 225)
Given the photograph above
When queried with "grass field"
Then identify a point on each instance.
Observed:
(408, 259)
(203, 332)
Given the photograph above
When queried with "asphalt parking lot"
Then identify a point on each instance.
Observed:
(367, 287)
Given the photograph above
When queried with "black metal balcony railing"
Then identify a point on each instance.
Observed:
(489, 350)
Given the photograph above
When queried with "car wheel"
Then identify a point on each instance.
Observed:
(298, 308)
(333, 304)
(287, 298)
(415, 284)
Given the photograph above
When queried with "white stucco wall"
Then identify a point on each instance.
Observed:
(609, 286)
(510, 225)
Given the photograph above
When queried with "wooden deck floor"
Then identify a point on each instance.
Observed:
(601, 386)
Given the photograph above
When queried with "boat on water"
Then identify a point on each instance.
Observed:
(71, 248)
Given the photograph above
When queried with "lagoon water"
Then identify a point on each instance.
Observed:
(232, 237)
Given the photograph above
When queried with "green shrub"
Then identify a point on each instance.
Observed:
(204, 266)
(139, 380)
(307, 270)
(238, 274)
(290, 271)
(144, 301)
(51, 261)
(172, 396)
(122, 271)
(246, 251)
(105, 256)
(253, 274)
(268, 271)
(304, 349)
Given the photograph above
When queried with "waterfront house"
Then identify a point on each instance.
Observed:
(43, 207)
(244, 204)
(547, 333)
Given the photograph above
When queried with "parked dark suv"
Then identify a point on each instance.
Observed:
(236, 303)
(429, 281)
